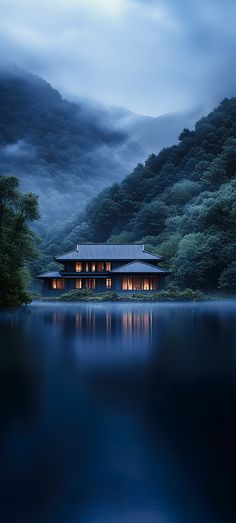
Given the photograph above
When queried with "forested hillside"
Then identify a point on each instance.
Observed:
(52, 145)
(181, 203)
(68, 152)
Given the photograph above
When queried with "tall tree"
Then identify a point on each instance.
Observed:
(18, 244)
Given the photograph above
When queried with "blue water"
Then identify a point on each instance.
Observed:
(118, 413)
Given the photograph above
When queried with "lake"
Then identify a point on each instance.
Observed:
(118, 413)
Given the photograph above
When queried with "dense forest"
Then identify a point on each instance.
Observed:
(52, 145)
(19, 244)
(180, 203)
(67, 152)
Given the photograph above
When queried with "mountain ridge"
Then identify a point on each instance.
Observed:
(65, 151)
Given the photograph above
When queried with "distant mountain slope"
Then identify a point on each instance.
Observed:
(67, 152)
(181, 202)
(52, 145)
(155, 133)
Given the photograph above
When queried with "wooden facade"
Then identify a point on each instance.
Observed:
(106, 267)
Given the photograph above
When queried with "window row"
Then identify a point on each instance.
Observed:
(128, 283)
(92, 267)
(142, 283)
(80, 283)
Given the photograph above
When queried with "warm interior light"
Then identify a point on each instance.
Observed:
(108, 283)
(57, 284)
(130, 283)
(78, 284)
(139, 283)
(54, 284)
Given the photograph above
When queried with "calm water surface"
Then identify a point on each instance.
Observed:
(118, 413)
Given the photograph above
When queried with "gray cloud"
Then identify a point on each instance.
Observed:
(17, 150)
(150, 56)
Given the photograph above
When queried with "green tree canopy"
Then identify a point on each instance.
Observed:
(18, 244)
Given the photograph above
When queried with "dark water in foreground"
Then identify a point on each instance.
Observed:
(118, 413)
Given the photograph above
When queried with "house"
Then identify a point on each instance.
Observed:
(106, 267)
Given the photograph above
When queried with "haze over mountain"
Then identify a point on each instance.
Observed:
(66, 152)
(152, 56)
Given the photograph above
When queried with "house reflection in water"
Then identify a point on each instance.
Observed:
(137, 323)
(127, 328)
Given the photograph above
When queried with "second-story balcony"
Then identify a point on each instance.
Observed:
(87, 268)
(85, 273)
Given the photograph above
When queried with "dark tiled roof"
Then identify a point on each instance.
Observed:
(105, 251)
(53, 274)
(139, 267)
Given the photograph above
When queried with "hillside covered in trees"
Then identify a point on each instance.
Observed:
(68, 152)
(181, 203)
(52, 145)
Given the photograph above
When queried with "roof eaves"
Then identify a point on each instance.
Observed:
(136, 261)
(156, 255)
(158, 269)
(50, 275)
(125, 265)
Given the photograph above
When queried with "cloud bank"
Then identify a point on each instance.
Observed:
(152, 56)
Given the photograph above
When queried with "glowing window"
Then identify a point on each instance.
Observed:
(136, 283)
(58, 284)
(93, 267)
(86, 267)
(79, 283)
(130, 283)
(124, 285)
(108, 283)
(108, 266)
(78, 267)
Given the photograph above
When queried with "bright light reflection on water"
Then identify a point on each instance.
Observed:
(118, 413)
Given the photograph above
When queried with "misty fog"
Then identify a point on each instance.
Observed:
(67, 152)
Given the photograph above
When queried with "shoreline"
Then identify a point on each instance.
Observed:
(185, 295)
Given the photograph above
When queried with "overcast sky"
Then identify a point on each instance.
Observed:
(151, 56)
